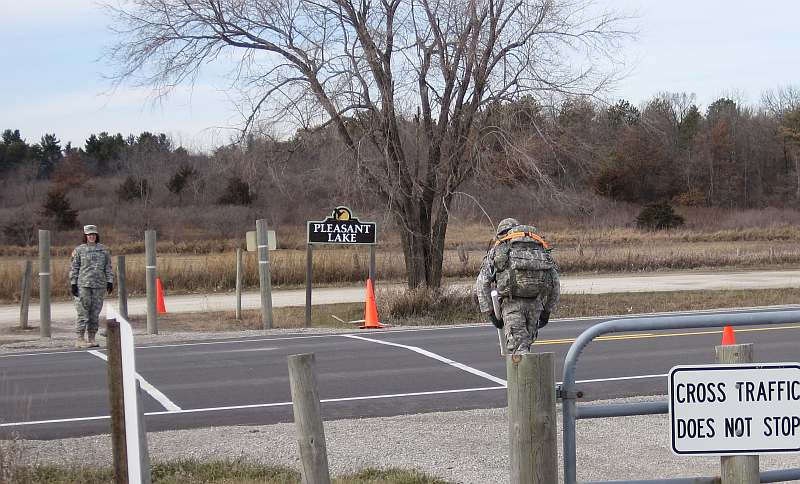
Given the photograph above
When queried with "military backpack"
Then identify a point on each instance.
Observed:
(522, 264)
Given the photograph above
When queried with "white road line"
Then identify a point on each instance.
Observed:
(326, 400)
(430, 354)
(146, 386)
(57, 420)
(252, 340)
(258, 405)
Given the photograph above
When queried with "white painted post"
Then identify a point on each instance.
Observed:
(498, 313)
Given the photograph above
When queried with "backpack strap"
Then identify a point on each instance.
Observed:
(516, 235)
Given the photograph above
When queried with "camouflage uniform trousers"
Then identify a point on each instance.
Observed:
(521, 323)
(88, 305)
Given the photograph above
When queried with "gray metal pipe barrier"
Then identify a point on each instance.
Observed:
(683, 480)
(569, 394)
(622, 409)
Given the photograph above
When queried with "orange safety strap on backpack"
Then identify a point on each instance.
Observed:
(516, 235)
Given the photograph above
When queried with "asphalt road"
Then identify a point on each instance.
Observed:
(58, 394)
(593, 284)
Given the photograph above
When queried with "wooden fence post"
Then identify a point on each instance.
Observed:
(122, 288)
(115, 396)
(309, 276)
(238, 283)
(737, 469)
(264, 276)
(308, 420)
(44, 283)
(150, 276)
(532, 419)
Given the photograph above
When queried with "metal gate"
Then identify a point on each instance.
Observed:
(569, 394)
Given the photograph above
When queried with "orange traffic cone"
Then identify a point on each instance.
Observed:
(370, 311)
(162, 309)
(728, 337)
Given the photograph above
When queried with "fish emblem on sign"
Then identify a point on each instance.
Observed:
(341, 228)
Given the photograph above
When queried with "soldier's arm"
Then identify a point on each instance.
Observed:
(555, 293)
(109, 269)
(483, 286)
(75, 267)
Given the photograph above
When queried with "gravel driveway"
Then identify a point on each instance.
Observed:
(463, 447)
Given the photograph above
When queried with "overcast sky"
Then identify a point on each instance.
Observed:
(52, 80)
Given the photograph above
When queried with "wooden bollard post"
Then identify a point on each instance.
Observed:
(122, 288)
(264, 277)
(238, 283)
(308, 420)
(532, 419)
(119, 428)
(44, 283)
(117, 405)
(737, 469)
(150, 275)
(309, 276)
(25, 296)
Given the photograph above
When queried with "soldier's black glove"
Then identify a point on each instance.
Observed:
(544, 318)
(109, 287)
(74, 289)
(498, 323)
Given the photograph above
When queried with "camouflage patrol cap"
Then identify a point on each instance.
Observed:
(89, 229)
(506, 224)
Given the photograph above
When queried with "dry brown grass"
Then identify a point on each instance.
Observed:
(213, 472)
(201, 267)
(322, 316)
(12, 468)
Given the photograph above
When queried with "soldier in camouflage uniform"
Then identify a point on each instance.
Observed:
(523, 311)
(90, 277)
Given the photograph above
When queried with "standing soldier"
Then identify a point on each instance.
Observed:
(90, 276)
(525, 275)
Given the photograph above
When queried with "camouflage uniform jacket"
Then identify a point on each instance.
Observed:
(486, 279)
(91, 266)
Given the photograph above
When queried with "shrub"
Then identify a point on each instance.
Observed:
(658, 216)
(423, 306)
(180, 180)
(236, 193)
(57, 207)
(133, 188)
(20, 232)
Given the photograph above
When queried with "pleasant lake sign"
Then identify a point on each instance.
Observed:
(341, 228)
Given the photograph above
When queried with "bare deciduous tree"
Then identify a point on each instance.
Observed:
(404, 83)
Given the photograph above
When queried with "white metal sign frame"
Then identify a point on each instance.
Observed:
(734, 409)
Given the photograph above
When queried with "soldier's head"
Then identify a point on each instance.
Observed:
(90, 235)
(505, 225)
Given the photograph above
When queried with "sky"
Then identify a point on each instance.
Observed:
(54, 79)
